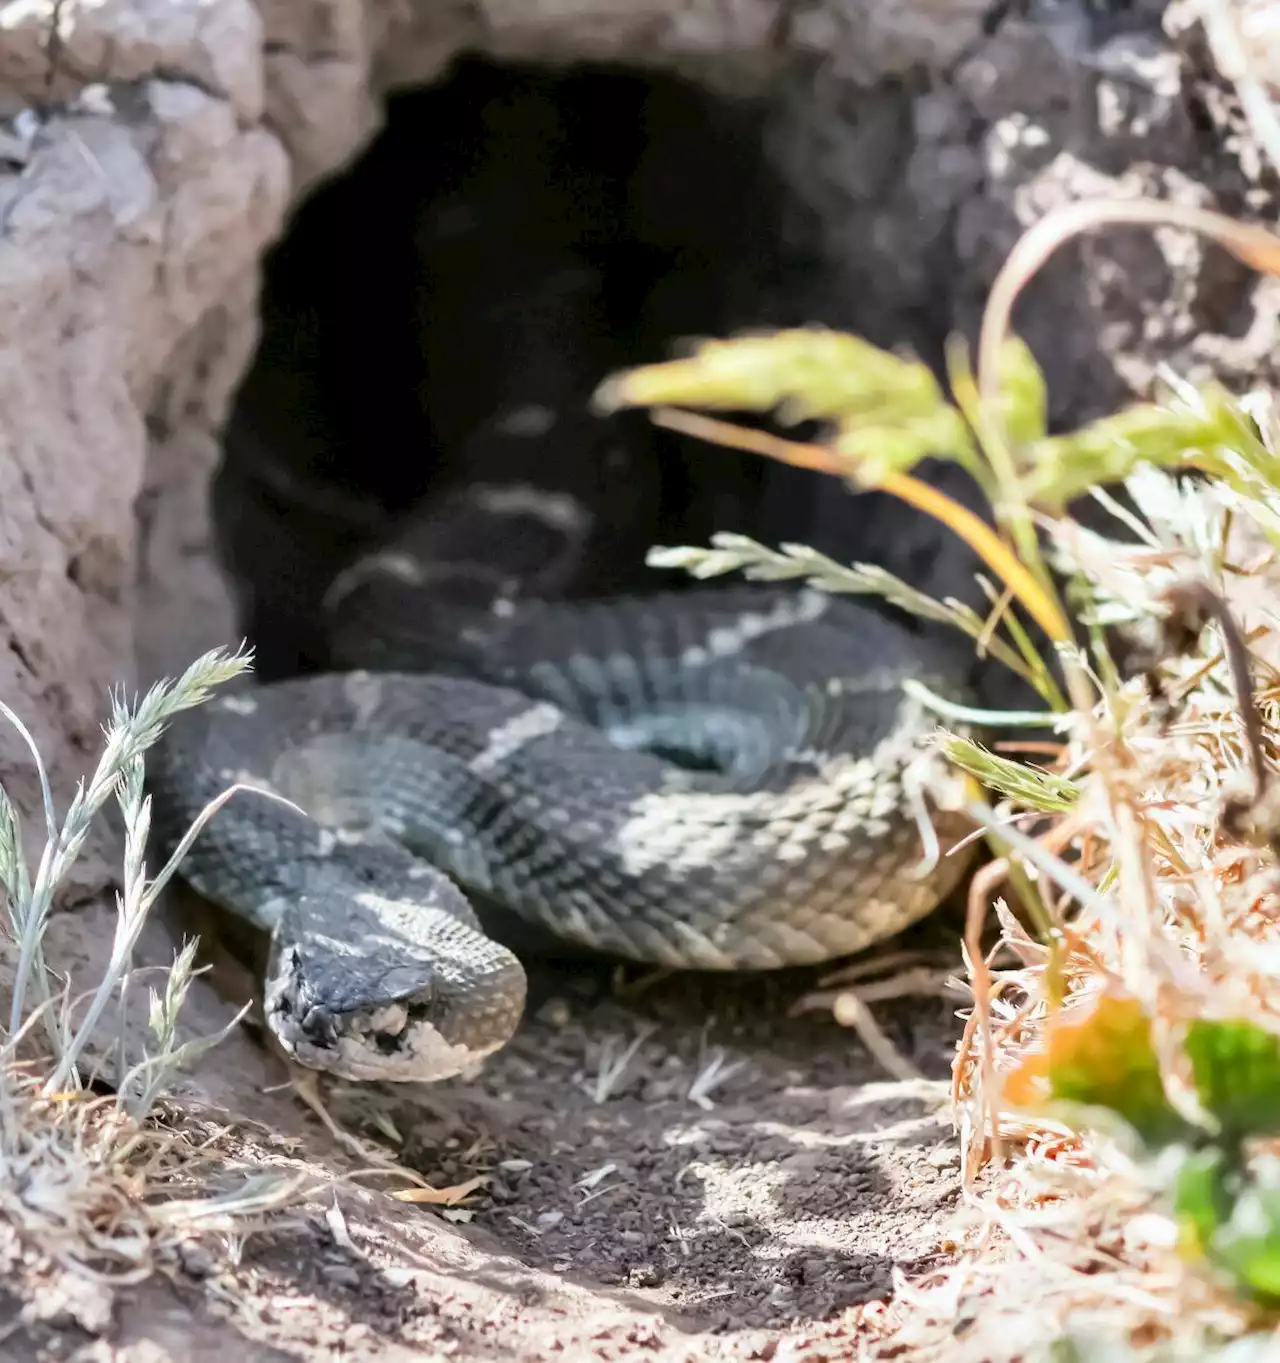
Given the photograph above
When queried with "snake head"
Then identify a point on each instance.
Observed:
(378, 1006)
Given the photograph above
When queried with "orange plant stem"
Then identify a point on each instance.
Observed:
(975, 532)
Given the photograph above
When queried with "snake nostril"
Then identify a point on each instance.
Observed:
(318, 1027)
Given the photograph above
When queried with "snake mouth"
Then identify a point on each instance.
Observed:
(405, 1038)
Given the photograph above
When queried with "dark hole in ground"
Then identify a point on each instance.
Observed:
(513, 237)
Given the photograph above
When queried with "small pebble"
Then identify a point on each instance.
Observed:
(556, 1013)
(943, 1157)
(196, 1262)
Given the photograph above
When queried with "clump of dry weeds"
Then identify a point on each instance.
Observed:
(93, 1184)
(1117, 1089)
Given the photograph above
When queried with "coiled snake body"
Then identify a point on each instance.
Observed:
(712, 779)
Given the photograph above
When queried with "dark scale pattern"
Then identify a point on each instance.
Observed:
(526, 786)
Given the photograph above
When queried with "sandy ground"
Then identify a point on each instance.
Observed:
(627, 1213)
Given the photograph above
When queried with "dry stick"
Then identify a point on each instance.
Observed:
(1255, 246)
(1198, 599)
(984, 881)
(1073, 945)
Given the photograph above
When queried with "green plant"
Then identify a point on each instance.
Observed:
(1222, 1190)
(65, 1155)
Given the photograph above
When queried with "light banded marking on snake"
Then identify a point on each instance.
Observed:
(401, 567)
(536, 722)
(329, 840)
(530, 421)
(404, 568)
(650, 837)
(727, 640)
(558, 510)
(364, 691)
(393, 563)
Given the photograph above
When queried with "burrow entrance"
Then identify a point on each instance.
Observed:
(511, 238)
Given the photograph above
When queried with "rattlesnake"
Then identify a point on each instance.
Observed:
(484, 737)
(536, 772)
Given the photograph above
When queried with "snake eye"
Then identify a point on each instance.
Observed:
(318, 1027)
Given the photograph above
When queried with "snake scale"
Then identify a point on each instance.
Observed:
(709, 779)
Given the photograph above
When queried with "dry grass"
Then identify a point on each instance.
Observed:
(1176, 911)
(102, 1187)
(1134, 887)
